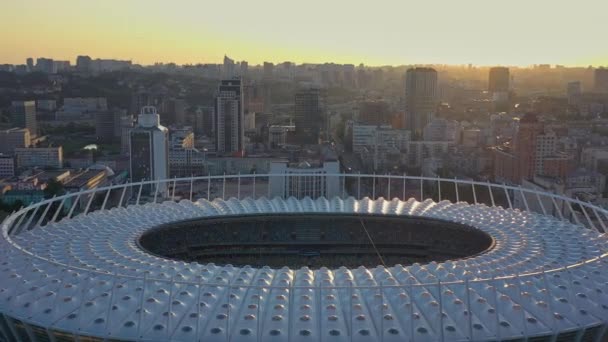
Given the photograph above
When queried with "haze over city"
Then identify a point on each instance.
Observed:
(385, 32)
(294, 171)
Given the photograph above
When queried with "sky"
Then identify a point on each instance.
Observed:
(377, 32)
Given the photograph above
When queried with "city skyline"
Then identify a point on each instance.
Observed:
(396, 170)
(390, 33)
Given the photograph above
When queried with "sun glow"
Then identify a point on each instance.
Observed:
(389, 32)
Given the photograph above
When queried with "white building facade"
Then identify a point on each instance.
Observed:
(149, 147)
(313, 184)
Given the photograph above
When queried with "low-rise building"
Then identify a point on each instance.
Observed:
(236, 165)
(85, 104)
(582, 184)
(26, 197)
(81, 108)
(13, 138)
(277, 135)
(364, 136)
(442, 130)
(595, 158)
(418, 151)
(46, 105)
(585, 181)
(184, 159)
(469, 162)
(471, 137)
(380, 147)
(7, 166)
(43, 157)
(86, 179)
(315, 183)
(558, 165)
(389, 145)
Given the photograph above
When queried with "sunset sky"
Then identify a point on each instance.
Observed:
(380, 32)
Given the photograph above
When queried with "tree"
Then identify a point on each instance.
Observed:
(53, 188)
(10, 207)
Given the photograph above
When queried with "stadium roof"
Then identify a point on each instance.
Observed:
(87, 275)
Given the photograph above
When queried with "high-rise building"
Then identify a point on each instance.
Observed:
(149, 145)
(533, 145)
(30, 64)
(108, 124)
(84, 64)
(499, 79)
(255, 97)
(286, 70)
(59, 66)
(363, 77)
(45, 65)
(421, 99)
(126, 125)
(525, 145)
(229, 116)
(177, 109)
(574, 92)
(228, 68)
(499, 85)
(204, 121)
(268, 70)
(244, 69)
(601, 80)
(309, 115)
(546, 146)
(267, 96)
(104, 126)
(23, 115)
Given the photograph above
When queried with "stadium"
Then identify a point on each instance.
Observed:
(454, 260)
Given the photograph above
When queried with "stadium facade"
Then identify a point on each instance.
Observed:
(112, 265)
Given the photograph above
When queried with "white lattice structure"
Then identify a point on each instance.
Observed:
(86, 275)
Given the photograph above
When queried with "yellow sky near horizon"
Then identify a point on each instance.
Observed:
(383, 32)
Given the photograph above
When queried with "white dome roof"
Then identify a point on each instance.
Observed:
(87, 275)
